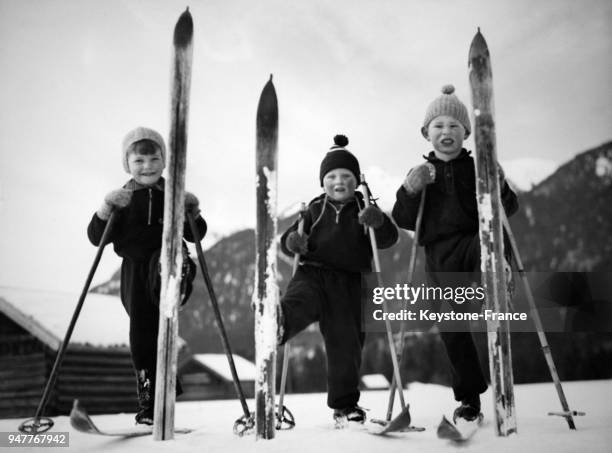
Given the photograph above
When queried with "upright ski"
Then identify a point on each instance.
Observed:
(174, 217)
(266, 293)
(490, 212)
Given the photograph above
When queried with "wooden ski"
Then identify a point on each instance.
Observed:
(174, 216)
(490, 213)
(266, 292)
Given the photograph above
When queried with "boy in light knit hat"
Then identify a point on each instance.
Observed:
(335, 253)
(449, 230)
(137, 236)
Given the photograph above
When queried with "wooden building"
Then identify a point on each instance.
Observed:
(97, 368)
(208, 376)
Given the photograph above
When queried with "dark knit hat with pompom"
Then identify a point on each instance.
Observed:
(339, 157)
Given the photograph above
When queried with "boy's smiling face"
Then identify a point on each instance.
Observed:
(145, 167)
(339, 184)
(446, 134)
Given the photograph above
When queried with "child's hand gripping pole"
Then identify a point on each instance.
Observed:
(396, 370)
(245, 423)
(284, 417)
(40, 424)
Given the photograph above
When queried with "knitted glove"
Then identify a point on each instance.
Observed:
(115, 199)
(371, 216)
(297, 243)
(192, 204)
(418, 177)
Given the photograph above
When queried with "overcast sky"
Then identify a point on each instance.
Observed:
(77, 75)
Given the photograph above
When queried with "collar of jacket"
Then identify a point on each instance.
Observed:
(357, 198)
(464, 154)
(133, 185)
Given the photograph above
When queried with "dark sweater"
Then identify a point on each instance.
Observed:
(450, 203)
(336, 239)
(137, 232)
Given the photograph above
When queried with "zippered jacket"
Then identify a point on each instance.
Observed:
(137, 232)
(450, 203)
(336, 240)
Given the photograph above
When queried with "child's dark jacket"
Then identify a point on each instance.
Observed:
(450, 206)
(336, 240)
(137, 231)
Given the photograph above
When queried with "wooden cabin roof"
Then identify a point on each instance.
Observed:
(217, 363)
(103, 321)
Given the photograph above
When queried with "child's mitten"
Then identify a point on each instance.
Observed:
(115, 199)
(418, 177)
(297, 243)
(192, 204)
(371, 216)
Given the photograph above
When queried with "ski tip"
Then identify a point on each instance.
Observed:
(269, 86)
(183, 31)
(479, 47)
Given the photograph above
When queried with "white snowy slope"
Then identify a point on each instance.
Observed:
(213, 420)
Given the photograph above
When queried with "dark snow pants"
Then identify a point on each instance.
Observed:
(453, 262)
(143, 310)
(333, 298)
(140, 287)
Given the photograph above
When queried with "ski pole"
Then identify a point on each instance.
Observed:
(246, 422)
(567, 413)
(411, 266)
(40, 424)
(280, 416)
(396, 370)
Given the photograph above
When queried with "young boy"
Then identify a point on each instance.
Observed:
(334, 253)
(449, 230)
(136, 236)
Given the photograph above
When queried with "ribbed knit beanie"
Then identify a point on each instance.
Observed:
(339, 157)
(141, 133)
(447, 104)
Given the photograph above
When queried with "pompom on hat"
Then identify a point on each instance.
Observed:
(136, 135)
(447, 104)
(339, 157)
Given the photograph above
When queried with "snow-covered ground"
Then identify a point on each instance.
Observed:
(212, 423)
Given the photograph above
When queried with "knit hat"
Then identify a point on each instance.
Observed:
(339, 157)
(447, 104)
(141, 133)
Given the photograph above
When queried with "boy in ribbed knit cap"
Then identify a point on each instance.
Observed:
(137, 236)
(449, 230)
(334, 254)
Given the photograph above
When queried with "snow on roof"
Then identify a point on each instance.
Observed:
(102, 321)
(218, 363)
(374, 381)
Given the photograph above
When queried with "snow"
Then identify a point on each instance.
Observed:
(375, 381)
(102, 322)
(603, 167)
(218, 363)
(212, 422)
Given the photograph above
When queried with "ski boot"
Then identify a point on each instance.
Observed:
(349, 414)
(146, 397)
(469, 410)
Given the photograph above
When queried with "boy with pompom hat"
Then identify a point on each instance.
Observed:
(449, 230)
(334, 254)
(137, 236)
